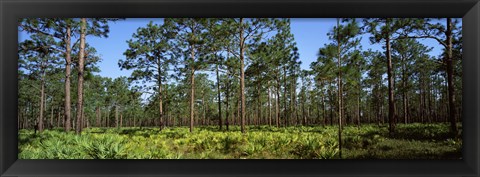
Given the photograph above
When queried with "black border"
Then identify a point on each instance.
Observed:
(11, 10)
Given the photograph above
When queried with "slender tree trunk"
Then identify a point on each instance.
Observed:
(304, 118)
(81, 59)
(166, 114)
(58, 117)
(277, 100)
(51, 117)
(293, 99)
(359, 113)
(451, 89)
(285, 108)
(160, 94)
(68, 61)
(98, 116)
(116, 116)
(259, 103)
(340, 95)
(391, 101)
(421, 92)
(242, 77)
(324, 111)
(107, 118)
(42, 104)
(219, 100)
(227, 108)
(268, 105)
(192, 89)
(331, 106)
(85, 121)
(204, 108)
(405, 92)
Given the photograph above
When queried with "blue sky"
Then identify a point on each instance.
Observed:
(310, 34)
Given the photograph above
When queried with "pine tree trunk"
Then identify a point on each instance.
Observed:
(391, 101)
(204, 108)
(58, 117)
(277, 100)
(405, 92)
(160, 94)
(81, 58)
(359, 113)
(51, 117)
(324, 105)
(451, 89)
(292, 100)
(340, 95)
(68, 61)
(42, 97)
(242, 77)
(268, 105)
(259, 104)
(107, 119)
(192, 89)
(219, 100)
(285, 108)
(98, 116)
(227, 109)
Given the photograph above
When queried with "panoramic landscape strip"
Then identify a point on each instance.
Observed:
(240, 88)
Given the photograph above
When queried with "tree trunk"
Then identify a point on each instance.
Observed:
(324, 110)
(160, 94)
(204, 108)
(303, 108)
(227, 109)
(293, 100)
(269, 107)
(192, 89)
(42, 97)
(451, 89)
(58, 117)
(51, 117)
(340, 95)
(359, 115)
(219, 100)
(405, 92)
(242, 77)
(116, 116)
(277, 100)
(98, 116)
(68, 61)
(331, 102)
(285, 108)
(391, 101)
(107, 118)
(259, 104)
(81, 58)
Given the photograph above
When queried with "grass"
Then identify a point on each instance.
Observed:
(412, 141)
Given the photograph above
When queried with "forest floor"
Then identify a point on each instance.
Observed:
(412, 141)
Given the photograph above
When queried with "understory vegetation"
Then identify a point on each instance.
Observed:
(368, 141)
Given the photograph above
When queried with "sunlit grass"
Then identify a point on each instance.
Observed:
(413, 141)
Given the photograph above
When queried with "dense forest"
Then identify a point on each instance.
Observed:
(239, 77)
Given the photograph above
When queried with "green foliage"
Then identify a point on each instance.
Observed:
(413, 141)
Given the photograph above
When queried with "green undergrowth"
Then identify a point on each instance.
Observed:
(412, 141)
